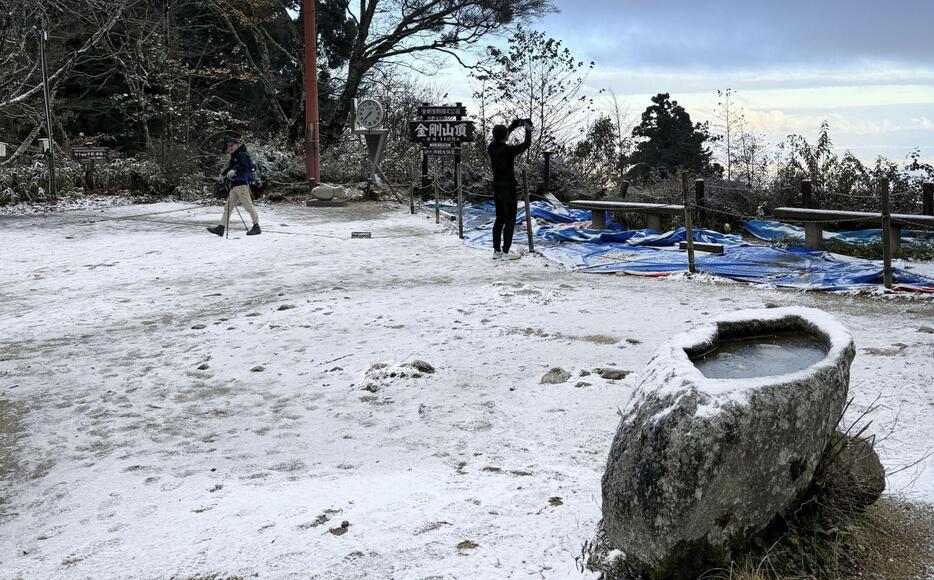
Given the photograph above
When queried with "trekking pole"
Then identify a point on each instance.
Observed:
(227, 211)
(241, 218)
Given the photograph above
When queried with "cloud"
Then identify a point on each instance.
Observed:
(731, 34)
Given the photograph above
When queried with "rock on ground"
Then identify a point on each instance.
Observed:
(555, 376)
(699, 465)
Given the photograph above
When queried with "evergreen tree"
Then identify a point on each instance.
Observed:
(669, 141)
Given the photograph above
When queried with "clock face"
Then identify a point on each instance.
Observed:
(369, 113)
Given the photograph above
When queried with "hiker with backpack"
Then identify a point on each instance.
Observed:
(239, 172)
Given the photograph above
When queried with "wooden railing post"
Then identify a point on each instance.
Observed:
(412, 189)
(886, 236)
(546, 186)
(699, 202)
(434, 182)
(528, 210)
(806, 194)
(927, 199)
(460, 194)
(623, 188)
(688, 230)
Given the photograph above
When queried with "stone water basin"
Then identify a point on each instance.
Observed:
(723, 431)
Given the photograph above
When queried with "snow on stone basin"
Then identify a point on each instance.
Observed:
(137, 441)
(675, 357)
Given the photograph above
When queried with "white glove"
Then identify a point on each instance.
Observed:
(231, 174)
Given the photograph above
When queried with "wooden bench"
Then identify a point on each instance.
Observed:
(814, 220)
(653, 211)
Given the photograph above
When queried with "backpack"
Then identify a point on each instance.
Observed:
(257, 183)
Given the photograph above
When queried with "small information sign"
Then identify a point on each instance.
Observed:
(444, 150)
(442, 111)
(88, 153)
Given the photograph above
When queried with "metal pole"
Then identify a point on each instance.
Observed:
(886, 237)
(927, 199)
(688, 230)
(312, 138)
(43, 39)
(528, 210)
(460, 194)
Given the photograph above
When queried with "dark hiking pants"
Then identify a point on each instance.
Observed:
(504, 195)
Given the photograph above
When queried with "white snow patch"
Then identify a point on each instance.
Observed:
(146, 448)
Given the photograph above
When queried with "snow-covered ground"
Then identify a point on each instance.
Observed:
(176, 404)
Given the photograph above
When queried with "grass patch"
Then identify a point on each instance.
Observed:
(894, 538)
(919, 251)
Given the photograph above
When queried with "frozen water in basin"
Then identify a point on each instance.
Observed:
(761, 356)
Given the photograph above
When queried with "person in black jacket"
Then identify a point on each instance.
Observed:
(502, 158)
(239, 171)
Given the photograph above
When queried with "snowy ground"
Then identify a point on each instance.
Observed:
(180, 404)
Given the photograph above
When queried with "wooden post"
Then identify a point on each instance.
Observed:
(688, 230)
(434, 182)
(424, 190)
(528, 210)
(699, 201)
(886, 237)
(412, 190)
(623, 188)
(460, 194)
(806, 193)
(546, 186)
(927, 199)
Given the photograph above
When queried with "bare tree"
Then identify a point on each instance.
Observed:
(388, 30)
(538, 78)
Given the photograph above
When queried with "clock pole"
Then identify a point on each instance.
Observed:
(312, 140)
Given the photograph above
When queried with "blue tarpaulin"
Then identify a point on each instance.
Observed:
(565, 236)
(780, 232)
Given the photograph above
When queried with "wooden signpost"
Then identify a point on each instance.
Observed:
(88, 156)
(439, 135)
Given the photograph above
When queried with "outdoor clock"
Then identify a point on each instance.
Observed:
(369, 113)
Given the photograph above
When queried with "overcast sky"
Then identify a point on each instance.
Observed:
(867, 68)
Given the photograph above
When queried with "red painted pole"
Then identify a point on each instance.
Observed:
(312, 141)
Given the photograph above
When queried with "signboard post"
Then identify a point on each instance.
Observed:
(87, 156)
(439, 136)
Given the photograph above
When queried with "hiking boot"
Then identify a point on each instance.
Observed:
(217, 230)
(254, 231)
